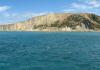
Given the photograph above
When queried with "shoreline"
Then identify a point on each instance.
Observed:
(49, 31)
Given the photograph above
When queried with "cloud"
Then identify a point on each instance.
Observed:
(94, 4)
(87, 5)
(69, 10)
(80, 6)
(84, 6)
(16, 17)
(22, 15)
(4, 8)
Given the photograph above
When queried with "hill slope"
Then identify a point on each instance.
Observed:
(57, 22)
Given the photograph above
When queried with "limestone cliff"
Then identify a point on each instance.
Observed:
(57, 22)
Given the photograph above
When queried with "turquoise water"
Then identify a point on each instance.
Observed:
(49, 51)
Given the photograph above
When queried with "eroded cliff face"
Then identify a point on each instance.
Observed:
(57, 22)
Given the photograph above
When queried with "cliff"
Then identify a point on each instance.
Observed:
(57, 22)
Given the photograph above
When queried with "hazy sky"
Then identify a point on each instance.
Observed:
(19, 10)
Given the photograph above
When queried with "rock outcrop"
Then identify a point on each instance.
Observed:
(57, 22)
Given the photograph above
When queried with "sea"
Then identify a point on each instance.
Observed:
(49, 51)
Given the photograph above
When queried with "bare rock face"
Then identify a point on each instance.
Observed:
(57, 22)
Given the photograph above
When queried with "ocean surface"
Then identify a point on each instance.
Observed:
(49, 51)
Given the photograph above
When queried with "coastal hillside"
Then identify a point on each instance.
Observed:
(57, 22)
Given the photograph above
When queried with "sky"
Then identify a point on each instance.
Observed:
(12, 11)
